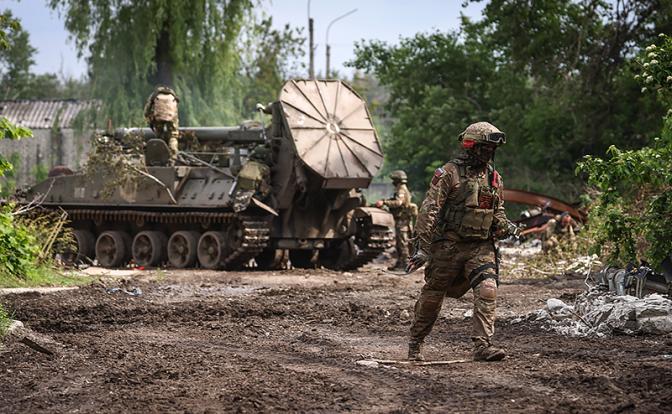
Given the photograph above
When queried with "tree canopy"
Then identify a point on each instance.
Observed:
(133, 46)
(555, 75)
(196, 47)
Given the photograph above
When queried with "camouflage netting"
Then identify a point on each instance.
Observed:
(121, 163)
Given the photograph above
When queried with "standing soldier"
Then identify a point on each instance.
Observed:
(402, 210)
(460, 217)
(161, 115)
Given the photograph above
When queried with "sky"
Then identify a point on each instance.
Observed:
(386, 20)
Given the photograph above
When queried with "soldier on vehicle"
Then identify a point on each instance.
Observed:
(254, 178)
(461, 216)
(162, 116)
(404, 212)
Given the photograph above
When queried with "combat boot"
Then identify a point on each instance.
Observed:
(415, 351)
(488, 353)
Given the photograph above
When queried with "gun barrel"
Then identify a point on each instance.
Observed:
(236, 135)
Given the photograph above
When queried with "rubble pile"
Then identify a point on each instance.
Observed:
(599, 313)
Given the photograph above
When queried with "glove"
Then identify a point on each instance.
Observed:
(507, 230)
(514, 230)
(380, 203)
(416, 262)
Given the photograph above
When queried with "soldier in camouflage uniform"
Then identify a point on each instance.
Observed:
(254, 179)
(560, 227)
(402, 210)
(162, 116)
(460, 217)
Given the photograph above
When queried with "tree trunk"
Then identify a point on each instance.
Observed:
(164, 62)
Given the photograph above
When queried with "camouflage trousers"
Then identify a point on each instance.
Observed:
(455, 267)
(169, 133)
(173, 144)
(402, 232)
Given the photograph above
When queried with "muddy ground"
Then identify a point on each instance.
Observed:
(201, 341)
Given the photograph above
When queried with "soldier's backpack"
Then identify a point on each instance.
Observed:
(164, 108)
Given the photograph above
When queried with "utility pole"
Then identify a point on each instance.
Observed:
(311, 48)
(327, 38)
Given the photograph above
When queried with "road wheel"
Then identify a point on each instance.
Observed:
(212, 249)
(149, 248)
(271, 259)
(182, 248)
(83, 250)
(338, 257)
(113, 248)
(302, 259)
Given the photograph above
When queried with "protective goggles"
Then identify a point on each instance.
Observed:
(493, 137)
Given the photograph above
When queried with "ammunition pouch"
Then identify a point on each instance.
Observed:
(471, 214)
(469, 222)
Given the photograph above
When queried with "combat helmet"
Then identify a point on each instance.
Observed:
(481, 132)
(399, 175)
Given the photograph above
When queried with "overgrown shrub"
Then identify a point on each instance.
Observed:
(632, 216)
(19, 248)
(4, 321)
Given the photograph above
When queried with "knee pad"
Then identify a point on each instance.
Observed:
(487, 289)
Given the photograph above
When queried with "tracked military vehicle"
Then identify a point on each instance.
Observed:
(200, 209)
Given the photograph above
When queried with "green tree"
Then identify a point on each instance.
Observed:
(555, 75)
(434, 91)
(10, 30)
(132, 46)
(577, 58)
(16, 78)
(269, 57)
(16, 58)
(18, 246)
(631, 216)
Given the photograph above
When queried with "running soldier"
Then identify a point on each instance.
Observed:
(461, 216)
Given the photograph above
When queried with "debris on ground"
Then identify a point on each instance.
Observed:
(18, 332)
(633, 280)
(387, 363)
(598, 313)
(136, 291)
(526, 260)
(40, 290)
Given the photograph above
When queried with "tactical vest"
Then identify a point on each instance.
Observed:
(471, 213)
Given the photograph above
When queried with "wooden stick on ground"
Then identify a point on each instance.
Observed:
(418, 363)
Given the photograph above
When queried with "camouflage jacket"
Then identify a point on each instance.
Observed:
(443, 190)
(400, 203)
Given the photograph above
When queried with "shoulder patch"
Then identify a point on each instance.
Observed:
(496, 179)
(438, 173)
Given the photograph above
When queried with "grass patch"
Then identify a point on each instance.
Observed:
(45, 276)
(4, 321)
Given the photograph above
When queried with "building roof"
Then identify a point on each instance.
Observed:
(44, 114)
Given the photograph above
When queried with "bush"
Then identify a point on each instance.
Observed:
(4, 321)
(19, 247)
(631, 215)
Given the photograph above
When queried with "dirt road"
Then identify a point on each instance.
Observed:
(201, 341)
